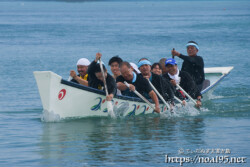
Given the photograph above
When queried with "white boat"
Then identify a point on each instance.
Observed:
(68, 100)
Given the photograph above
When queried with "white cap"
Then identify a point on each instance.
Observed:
(135, 67)
(83, 62)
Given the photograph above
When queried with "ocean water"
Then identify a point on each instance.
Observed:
(53, 35)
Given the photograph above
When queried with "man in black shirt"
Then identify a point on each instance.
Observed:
(162, 85)
(136, 82)
(183, 79)
(96, 78)
(192, 63)
(114, 66)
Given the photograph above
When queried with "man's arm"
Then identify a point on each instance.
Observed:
(198, 102)
(192, 90)
(81, 81)
(91, 67)
(121, 86)
(78, 79)
(111, 84)
(109, 97)
(197, 60)
(155, 100)
(167, 88)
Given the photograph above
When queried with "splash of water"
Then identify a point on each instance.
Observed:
(210, 95)
(187, 110)
(121, 109)
(50, 116)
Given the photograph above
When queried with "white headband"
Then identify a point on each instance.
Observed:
(193, 44)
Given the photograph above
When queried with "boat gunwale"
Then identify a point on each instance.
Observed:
(136, 99)
(97, 91)
(214, 84)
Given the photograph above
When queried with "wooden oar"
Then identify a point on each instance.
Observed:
(179, 100)
(109, 103)
(186, 94)
(159, 95)
(139, 95)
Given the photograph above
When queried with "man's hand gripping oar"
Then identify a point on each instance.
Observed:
(197, 104)
(143, 98)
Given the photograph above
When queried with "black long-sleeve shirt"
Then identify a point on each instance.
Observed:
(187, 83)
(98, 84)
(163, 86)
(141, 85)
(194, 65)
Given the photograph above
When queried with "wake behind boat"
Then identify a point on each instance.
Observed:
(68, 100)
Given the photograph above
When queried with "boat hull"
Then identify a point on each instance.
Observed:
(67, 99)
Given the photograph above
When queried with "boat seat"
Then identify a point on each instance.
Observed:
(205, 84)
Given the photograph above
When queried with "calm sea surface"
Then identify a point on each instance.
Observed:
(53, 35)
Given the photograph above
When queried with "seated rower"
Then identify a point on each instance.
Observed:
(96, 78)
(192, 63)
(156, 69)
(184, 80)
(82, 68)
(162, 64)
(162, 85)
(114, 63)
(136, 82)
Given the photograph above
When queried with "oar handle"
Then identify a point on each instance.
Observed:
(176, 98)
(103, 75)
(126, 84)
(139, 95)
(173, 55)
(186, 93)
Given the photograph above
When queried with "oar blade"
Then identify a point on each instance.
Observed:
(110, 109)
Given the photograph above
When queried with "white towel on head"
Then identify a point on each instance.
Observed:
(135, 67)
(83, 62)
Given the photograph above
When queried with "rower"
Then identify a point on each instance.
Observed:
(114, 63)
(136, 82)
(161, 84)
(193, 64)
(156, 69)
(184, 80)
(96, 79)
(82, 68)
(162, 65)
